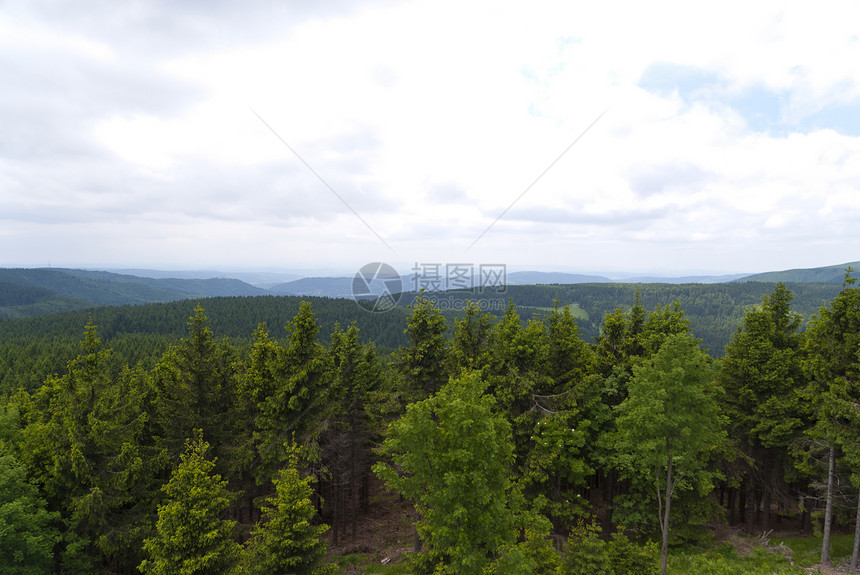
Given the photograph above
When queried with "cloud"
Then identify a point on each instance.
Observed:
(130, 135)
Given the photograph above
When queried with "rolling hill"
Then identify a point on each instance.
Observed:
(828, 274)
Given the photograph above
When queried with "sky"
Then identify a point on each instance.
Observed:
(659, 137)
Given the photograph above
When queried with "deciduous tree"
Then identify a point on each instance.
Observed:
(670, 425)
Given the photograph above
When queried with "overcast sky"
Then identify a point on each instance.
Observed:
(304, 135)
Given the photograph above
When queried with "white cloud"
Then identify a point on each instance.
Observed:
(133, 137)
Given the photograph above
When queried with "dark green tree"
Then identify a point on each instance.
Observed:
(27, 528)
(833, 366)
(298, 401)
(471, 341)
(346, 443)
(761, 374)
(196, 388)
(87, 440)
(569, 358)
(423, 364)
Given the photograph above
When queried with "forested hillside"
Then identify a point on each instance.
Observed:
(31, 292)
(713, 310)
(36, 347)
(33, 348)
(523, 446)
(825, 274)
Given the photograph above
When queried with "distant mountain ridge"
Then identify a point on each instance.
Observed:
(826, 275)
(57, 289)
(36, 291)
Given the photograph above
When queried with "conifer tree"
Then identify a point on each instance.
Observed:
(192, 538)
(761, 373)
(423, 364)
(27, 535)
(471, 341)
(196, 388)
(287, 540)
(833, 364)
(295, 384)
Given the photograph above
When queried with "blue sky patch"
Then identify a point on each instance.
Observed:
(761, 108)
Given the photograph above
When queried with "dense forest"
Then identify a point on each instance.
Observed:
(559, 434)
(34, 347)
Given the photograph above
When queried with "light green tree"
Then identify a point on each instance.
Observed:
(287, 540)
(191, 535)
(451, 454)
(670, 425)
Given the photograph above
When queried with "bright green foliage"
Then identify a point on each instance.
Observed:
(423, 363)
(670, 425)
(725, 561)
(587, 553)
(191, 535)
(452, 456)
(27, 535)
(630, 558)
(286, 540)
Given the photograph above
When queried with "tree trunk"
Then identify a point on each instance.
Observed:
(609, 490)
(417, 543)
(353, 487)
(805, 516)
(765, 508)
(732, 496)
(664, 553)
(855, 553)
(335, 521)
(828, 509)
(751, 503)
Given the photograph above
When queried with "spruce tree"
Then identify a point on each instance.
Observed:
(191, 536)
(286, 540)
